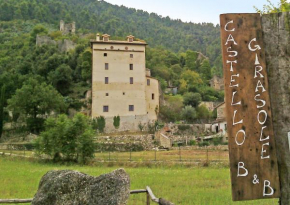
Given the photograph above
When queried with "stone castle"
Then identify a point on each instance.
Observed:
(69, 28)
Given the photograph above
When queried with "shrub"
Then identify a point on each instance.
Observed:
(116, 122)
(203, 144)
(188, 113)
(141, 126)
(101, 124)
(67, 139)
(192, 142)
(217, 141)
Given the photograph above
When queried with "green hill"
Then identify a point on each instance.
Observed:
(100, 16)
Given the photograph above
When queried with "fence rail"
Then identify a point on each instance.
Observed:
(190, 154)
(15, 201)
(149, 197)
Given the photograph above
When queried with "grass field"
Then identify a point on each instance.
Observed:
(182, 185)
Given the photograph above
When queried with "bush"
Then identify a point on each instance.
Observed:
(188, 113)
(217, 141)
(116, 122)
(193, 99)
(67, 139)
(101, 124)
(192, 142)
(203, 144)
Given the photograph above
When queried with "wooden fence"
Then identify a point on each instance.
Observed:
(149, 197)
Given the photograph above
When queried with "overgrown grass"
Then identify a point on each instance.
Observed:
(187, 186)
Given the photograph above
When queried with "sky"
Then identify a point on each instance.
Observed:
(196, 11)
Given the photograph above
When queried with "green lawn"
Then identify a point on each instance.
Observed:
(181, 185)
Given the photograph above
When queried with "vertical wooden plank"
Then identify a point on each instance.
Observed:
(147, 198)
(253, 162)
(276, 35)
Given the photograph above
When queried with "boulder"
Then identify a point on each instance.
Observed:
(67, 187)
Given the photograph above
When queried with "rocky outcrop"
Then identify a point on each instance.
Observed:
(70, 187)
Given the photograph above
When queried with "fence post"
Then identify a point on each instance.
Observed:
(155, 153)
(179, 153)
(207, 155)
(148, 198)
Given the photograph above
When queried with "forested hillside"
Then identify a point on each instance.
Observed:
(36, 81)
(100, 16)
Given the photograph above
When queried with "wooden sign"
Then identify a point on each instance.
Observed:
(253, 162)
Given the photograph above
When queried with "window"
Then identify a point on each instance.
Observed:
(105, 54)
(131, 80)
(106, 80)
(105, 108)
(124, 93)
(148, 81)
(131, 66)
(107, 94)
(106, 39)
(152, 96)
(106, 66)
(131, 107)
(131, 55)
(130, 39)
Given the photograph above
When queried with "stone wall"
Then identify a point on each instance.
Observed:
(66, 45)
(276, 34)
(44, 40)
(126, 142)
(63, 45)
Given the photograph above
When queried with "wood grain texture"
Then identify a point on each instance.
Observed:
(276, 35)
(253, 162)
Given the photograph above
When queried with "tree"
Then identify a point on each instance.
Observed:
(37, 30)
(203, 112)
(67, 139)
(188, 113)
(176, 68)
(271, 8)
(116, 121)
(192, 99)
(190, 60)
(2, 101)
(205, 70)
(34, 100)
(101, 123)
(61, 78)
(192, 78)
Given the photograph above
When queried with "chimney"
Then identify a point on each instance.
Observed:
(98, 37)
(130, 38)
(106, 37)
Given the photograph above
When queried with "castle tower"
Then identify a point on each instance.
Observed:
(73, 30)
(121, 85)
(61, 25)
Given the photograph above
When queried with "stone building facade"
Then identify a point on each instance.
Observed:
(217, 83)
(220, 124)
(121, 84)
(67, 28)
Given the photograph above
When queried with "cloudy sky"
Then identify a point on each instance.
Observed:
(196, 11)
